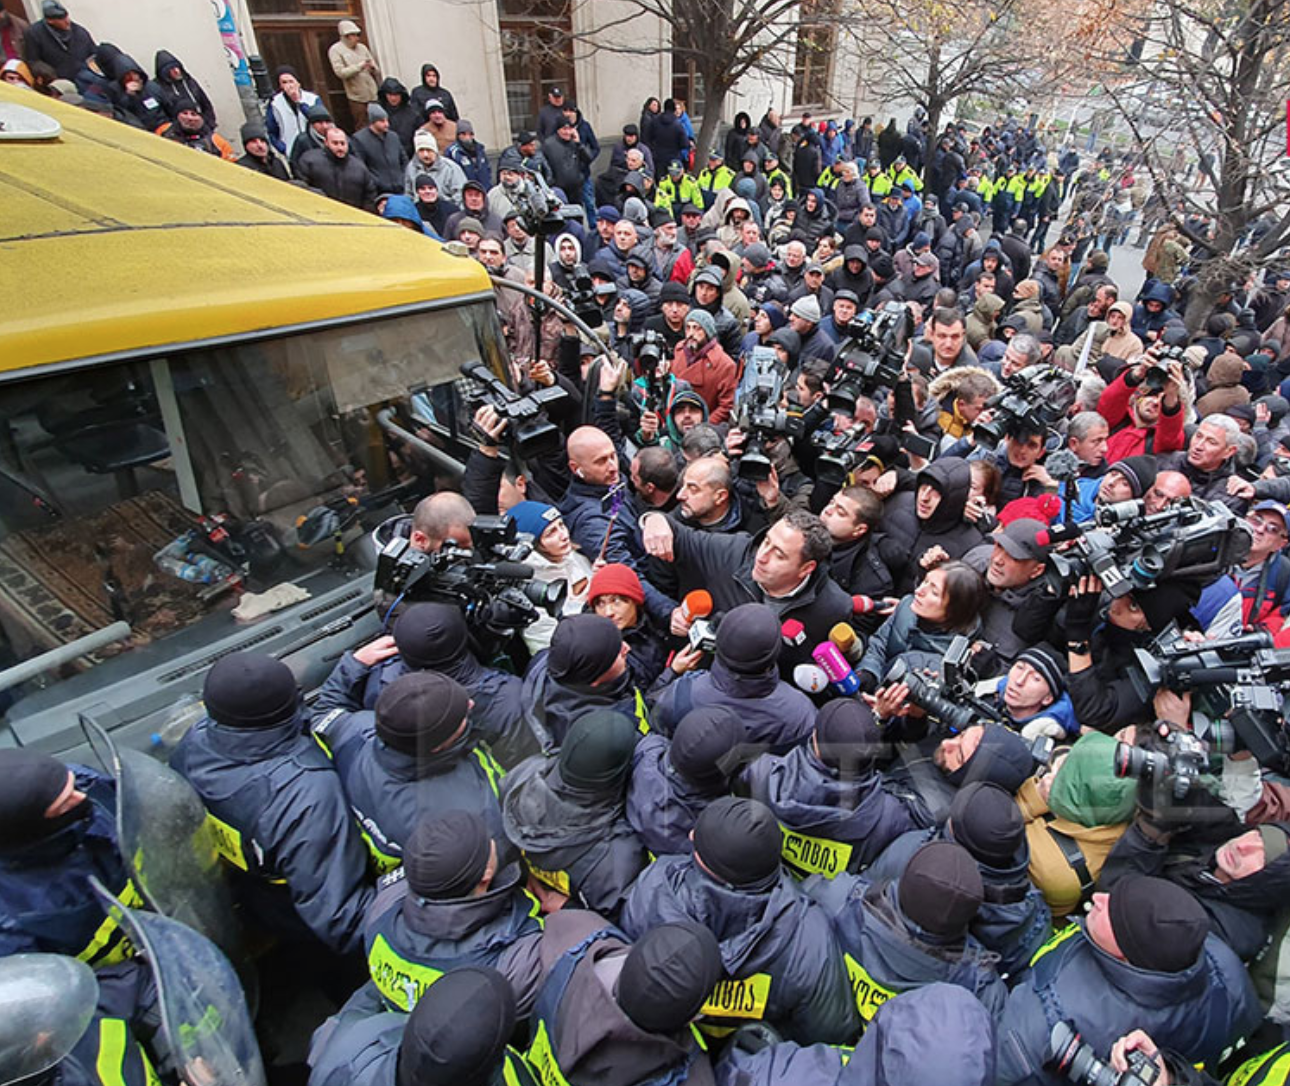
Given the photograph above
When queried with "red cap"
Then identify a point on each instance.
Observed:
(616, 579)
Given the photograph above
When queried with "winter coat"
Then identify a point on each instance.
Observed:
(176, 94)
(774, 713)
(579, 845)
(350, 66)
(1128, 439)
(1197, 1012)
(66, 52)
(903, 632)
(981, 321)
(345, 179)
(285, 120)
(446, 173)
(569, 164)
(667, 140)
(473, 160)
(776, 945)
(281, 818)
(833, 821)
(711, 372)
(422, 94)
(1225, 388)
(383, 156)
(550, 707)
(946, 527)
(662, 806)
(404, 118)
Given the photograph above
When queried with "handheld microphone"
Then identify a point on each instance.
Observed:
(844, 636)
(809, 678)
(1058, 533)
(793, 633)
(697, 604)
(831, 661)
(861, 605)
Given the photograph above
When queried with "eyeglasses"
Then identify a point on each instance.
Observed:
(1267, 525)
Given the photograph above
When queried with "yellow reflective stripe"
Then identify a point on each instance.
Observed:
(110, 1065)
(323, 743)
(814, 855)
(557, 880)
(109, 944)
(402, 982)
(492, 770)
(642, 714)
(1054, 942)
(149, 1072)
(382, 862)
(1270, 1067)
(700, 1040)
(541, 1058)
(869, 994)
(535, 909)
(744, 997)
(228, 842)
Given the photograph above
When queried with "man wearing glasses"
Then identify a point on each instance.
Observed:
(1264, 576)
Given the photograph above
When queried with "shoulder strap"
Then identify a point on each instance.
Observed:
(1074, 857)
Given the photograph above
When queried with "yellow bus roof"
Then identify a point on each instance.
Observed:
(115, 241)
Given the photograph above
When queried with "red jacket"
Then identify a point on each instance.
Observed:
(1113, 405)
(711, 373)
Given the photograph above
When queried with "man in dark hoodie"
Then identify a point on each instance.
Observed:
(282, 824)
(674, 779)
(1013, 920)
(899, 934)
(430, 88)
(780, 958)
(1153, 312)
(416, 753)
(744, 677)
(458, 900)
(130, 93)
(943, 488)
(613, 1014)
(566, 813)
(175, 88)
(392, 96)
(836, 812)
(585, 668)
(667, 138)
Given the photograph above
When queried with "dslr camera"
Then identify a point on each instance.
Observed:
(948, 698)
(585, 296)
(648, 349)
(1179, 765)
(534, 434)
(1031, 402)
(872, 353)
(1157, 373)
(490, 582)
(763, 420)
(1070, 1056)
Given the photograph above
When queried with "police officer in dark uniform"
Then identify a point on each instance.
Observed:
(281, 820)
(781, 960)
(434, 637)
(457, 901)
(905, 933)
(566, 813)
(835, 809)
(416, 754)
(57, 830)
(673, 780)
(455, 1036)
(1014, 920)
(614, 1014)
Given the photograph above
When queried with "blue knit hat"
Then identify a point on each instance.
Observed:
(533, 518)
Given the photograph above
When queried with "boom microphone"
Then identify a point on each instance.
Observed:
(809, 678)
(831, 661)
(697, 604)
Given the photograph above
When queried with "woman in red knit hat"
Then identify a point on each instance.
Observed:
(616, 593)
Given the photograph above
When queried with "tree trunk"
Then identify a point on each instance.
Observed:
(1214, 277)
(934, 110)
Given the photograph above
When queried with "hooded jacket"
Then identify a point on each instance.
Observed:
(853, 810)
(662, 806)
(774, 713)
(1144, 320)
(886, 954)
(577, 843)
(1198, 1012)
(404, 118)
(422, 94)
(551, 707)
(176, 94)
(1225, 388)
(279, 796)
(981, 321)
(777, 938)
(945, 528)
(147, 107)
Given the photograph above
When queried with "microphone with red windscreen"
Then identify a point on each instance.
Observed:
(793, 633)
(697, 604)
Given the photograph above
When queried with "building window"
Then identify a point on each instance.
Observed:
(813, 65)
(687, 82)
(537, 54)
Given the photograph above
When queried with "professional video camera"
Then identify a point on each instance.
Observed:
(534, 433)
(949, 699)
(648, 349)
(1180, 764)
(1189, 540)
(490, 582)
(872, 354)
(1032, 402)
(540, 208)
(839, 454)
(1070, 1056)
(1238, 683)
(762, 420)
(585, 296)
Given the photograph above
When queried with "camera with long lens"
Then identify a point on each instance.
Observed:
(490, 582)
(1189, 540)
(1032, 401)
(648, 349)
(585, 297)
(1180, 764)
(838, 454)
(872, 352)
(949, 698)
(533, 433)
(1070, 1056)
(1238, 686)
(540, 208)
(1156, 375)
(763, 420)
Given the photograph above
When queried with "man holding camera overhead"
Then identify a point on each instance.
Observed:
(1144, 412)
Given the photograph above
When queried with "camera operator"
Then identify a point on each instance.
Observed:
(786, 487)
(491, 484)
(784, 567)
(1032, 695)
(669, 321)
(1143, 420)
(1127, 479)
(1210, 461)
(441, 518)
(961, 395)
(1143, 955)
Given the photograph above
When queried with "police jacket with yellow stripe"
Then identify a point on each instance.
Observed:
(281, 817)
(410, 942)
(777, 944)
(886, 954)
(390, 792)
(858, 812)
(1197, 1013)
(578, 844)
(46, 903)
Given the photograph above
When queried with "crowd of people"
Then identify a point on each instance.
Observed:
(699, 821)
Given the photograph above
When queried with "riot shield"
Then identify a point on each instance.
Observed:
(46, 1004)
(204, 1018)
(167, 843)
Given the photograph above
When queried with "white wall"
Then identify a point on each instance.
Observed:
(613, 86)
(186, 28)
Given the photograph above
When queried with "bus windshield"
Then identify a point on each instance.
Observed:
(159, 492)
